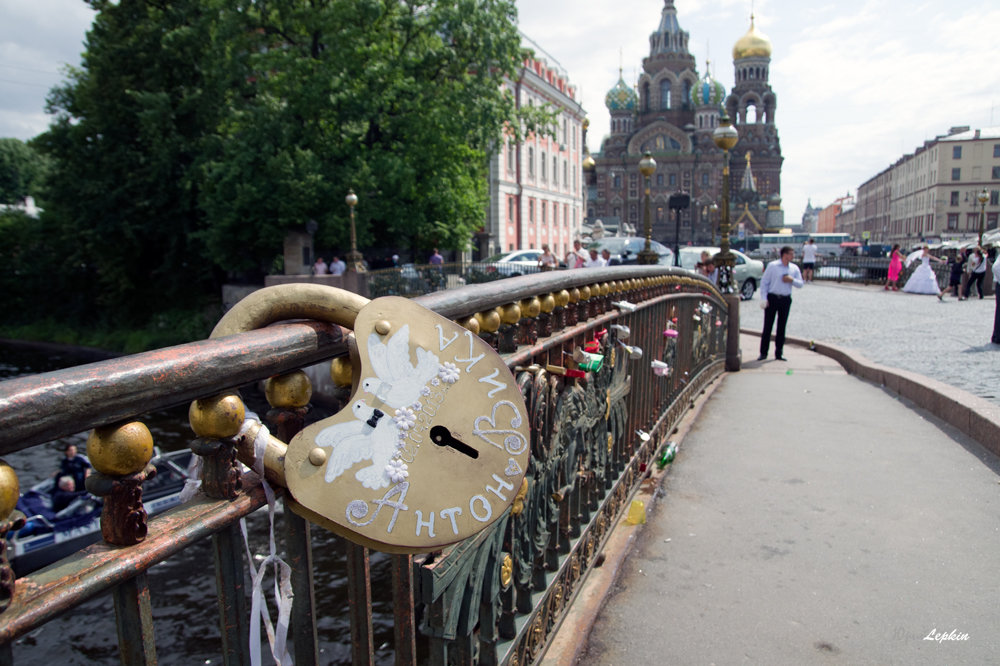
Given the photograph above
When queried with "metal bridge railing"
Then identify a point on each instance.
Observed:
(496, 597)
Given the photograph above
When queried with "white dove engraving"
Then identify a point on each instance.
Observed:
(372, 436)
(398, 381)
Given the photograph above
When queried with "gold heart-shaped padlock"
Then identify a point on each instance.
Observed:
(433, 445)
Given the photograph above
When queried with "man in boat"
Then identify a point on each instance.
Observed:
(75, 466)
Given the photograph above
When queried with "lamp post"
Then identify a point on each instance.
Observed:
(647, 166)
(678, 202)
(725, 137)
(984, 196)
(354, 258)
(714, 212)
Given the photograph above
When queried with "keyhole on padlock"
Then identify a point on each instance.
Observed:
(442, 437)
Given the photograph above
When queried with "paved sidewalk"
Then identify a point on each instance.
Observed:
(948, 341)
(811, 517)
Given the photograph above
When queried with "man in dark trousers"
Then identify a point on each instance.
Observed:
(776, 298)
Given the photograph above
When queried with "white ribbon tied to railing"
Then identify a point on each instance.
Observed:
(276, 635)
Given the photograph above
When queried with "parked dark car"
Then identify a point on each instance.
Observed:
(625, 250)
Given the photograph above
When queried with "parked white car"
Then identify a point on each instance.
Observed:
(518, 262)
(747, 272)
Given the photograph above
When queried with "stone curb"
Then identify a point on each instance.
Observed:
(975, 417)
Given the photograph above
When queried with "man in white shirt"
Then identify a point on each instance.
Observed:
(337, 266)
(808, 259)
(594, 261)
(576, 257)
(776, 291)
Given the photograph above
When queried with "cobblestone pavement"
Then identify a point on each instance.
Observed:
(948, 341)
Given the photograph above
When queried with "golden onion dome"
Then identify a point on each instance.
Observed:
(588, 163)
(752, 44)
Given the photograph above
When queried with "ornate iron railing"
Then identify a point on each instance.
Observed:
(494, 598)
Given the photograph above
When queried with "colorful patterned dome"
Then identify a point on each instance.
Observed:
(752, 44)
(622, 97)
(708, 91)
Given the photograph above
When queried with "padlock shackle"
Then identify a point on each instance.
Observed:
(291, 301)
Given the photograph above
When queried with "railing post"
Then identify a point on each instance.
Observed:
(733, 356)
(359, 598)
(136, 639)
(233, 612)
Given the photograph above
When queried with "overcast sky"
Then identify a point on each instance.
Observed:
(859, 83)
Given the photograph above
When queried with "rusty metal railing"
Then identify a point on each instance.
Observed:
(494, 598)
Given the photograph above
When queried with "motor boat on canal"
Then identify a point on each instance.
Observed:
(50, 535)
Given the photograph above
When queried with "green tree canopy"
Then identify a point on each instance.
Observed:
(22, 170)
(399, 101)
(197, 133)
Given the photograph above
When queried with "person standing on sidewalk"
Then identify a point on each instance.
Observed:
(776, 299)
(978, 263)
(996, 295)
(955, 278)
(808, 259)
(895, 268)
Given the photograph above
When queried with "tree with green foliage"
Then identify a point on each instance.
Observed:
(400, 101)
(130, 128)
(22, 171)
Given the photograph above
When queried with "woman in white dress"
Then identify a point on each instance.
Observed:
(923, 280)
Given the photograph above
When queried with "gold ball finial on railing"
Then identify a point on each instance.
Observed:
(341, 371)
(548, 303)
(120, 449)
(10, 490)
(489, 321)
(470, 324)
(585, 293)
(562, 298)
(531, 307)
(289, 391)
(510, 313)
(218, 417)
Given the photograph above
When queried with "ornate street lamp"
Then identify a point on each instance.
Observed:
(725, 137)
(647, 166)
(984, 196)
(355, 262)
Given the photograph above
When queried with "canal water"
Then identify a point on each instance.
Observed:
(184, 598)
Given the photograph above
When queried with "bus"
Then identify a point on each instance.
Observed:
(826, 244)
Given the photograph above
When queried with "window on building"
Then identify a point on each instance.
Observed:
(544, 176)
(994, 197)
(618, 181)
(565, 173)
(531, 162)
(954, 198)
(686, 102)
(555, 215)
(555, 170)
(645, 96)
(996, 150)
(956, 152)
(956, 174)
(659, 180)
(510, 208)
(565, 133)
(510, 156)
(704, 180)
(996, 172)
(545, 210)
(531, 210)
(664, 94)
(952, 220)
(673, 180)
